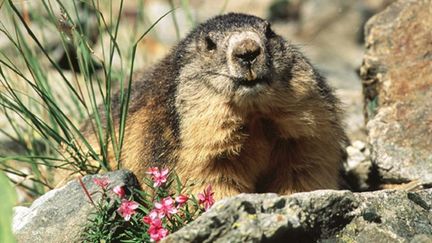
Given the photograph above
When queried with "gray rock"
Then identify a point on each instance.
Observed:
(60, 214)
(318, 15)
(325, 216)
(397, 76)
(358, 166)
(355, 157)
(359, 145)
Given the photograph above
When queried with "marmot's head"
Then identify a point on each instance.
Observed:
(237, 56)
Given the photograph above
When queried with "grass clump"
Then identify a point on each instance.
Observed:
(52, 79)
(59, 67)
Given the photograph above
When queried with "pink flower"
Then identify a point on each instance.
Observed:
(127, 209)
(152, 170)
(159, 177)
(181, 199)
(150, 217)
(102, 182)
(206, 197)
(156, 231)
(119, 190)
(165, 207)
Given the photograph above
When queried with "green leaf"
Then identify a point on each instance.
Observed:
(8, 201)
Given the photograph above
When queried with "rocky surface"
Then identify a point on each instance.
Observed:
(397, 76)
(358, 166)
(325, 216)
(60, 214)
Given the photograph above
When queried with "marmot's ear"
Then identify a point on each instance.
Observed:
(205, 43)
(269, 33)
(210, 44)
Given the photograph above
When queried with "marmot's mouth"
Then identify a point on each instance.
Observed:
(251, 83)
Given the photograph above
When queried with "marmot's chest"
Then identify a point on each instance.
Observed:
(248, 146)
(258, 146)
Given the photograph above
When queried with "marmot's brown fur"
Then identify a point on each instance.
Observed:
(236, 106)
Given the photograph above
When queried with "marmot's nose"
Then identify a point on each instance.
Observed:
(246, 51)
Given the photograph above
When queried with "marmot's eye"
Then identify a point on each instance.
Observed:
(210, 44)
(269, 32)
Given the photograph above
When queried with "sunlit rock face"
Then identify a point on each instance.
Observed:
(397, 77)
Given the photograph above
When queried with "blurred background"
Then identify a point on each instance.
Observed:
(80, 42)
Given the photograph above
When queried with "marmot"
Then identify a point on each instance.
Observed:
(236, 106)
